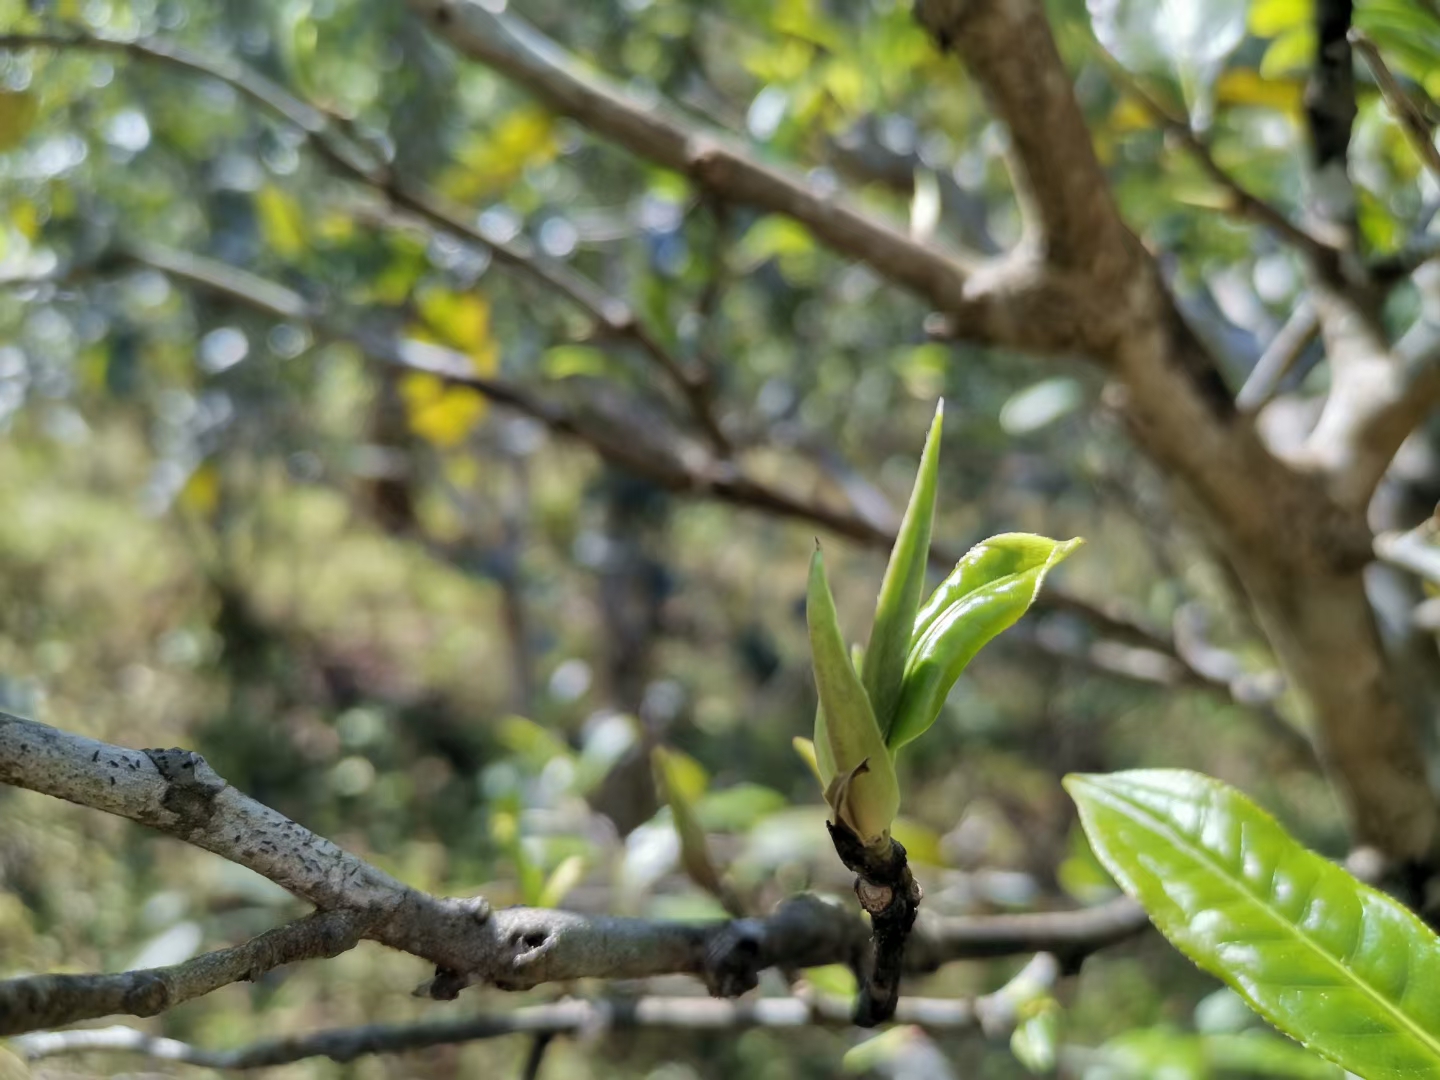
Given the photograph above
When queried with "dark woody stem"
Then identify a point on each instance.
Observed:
(890, 895)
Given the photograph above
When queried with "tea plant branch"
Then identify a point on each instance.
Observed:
(890, 895)
(1279, 357)
(177, 793)
(336, 145)
(585, 1019)
(516, 50)
(39, 1001)
(1402, 105)
(1243, 202)
(682, 474)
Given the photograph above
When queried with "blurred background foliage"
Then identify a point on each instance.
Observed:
(444, 636)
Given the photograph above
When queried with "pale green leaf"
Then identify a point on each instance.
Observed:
(987, 592)
(862, 792)
(903, 585)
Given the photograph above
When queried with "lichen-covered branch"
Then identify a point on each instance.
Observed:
(177, 793)
(39, 1001)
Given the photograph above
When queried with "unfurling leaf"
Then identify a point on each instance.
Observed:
(903, 585)
(986, 593)
(1333, 963)
(861, 786)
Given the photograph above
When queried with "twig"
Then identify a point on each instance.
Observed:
(1279, 357)
(676, 473)
(318, 129)
(512, 47)
(1244, 202)
(575, 1017)
(1406, 112)
(530, 1070)
(45, 1000)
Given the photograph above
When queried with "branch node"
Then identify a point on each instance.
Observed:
(888, 891)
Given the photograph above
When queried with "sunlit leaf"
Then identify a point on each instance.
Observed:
(1335, 964)
(836, 979)
(1035, 1040)
(888, 1048)
(1243, 86)
(201, 493)
(18, 111)
(1039, 405)
(1270, 18)
(282, 223)
(438, 412)
(1293, 51)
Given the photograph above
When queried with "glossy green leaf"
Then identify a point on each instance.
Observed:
(903, 585)
(1332, 962)
(986, 593)
(861, 790)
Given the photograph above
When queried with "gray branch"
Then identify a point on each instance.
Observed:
(996, 1014)
(47, 1000)
(177, 793)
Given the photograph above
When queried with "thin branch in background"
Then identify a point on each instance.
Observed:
(530, 1068)
(1244, 203)
(680, 474)
(1402, 105)
(317, 127)
(574, 1017)
(996, 1014)
(1285, 348)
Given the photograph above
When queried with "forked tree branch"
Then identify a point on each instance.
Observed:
(177, 793)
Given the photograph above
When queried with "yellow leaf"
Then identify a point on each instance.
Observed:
(201, 493)
(461, 321)
(25, 217)
(281, 222)
(335, 228)
(1244, 86)
(1292, 51)
(494, 160)
(1130, 115)
(441, 414)
(18, 110)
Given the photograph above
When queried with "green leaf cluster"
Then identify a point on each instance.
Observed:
(871, 706)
